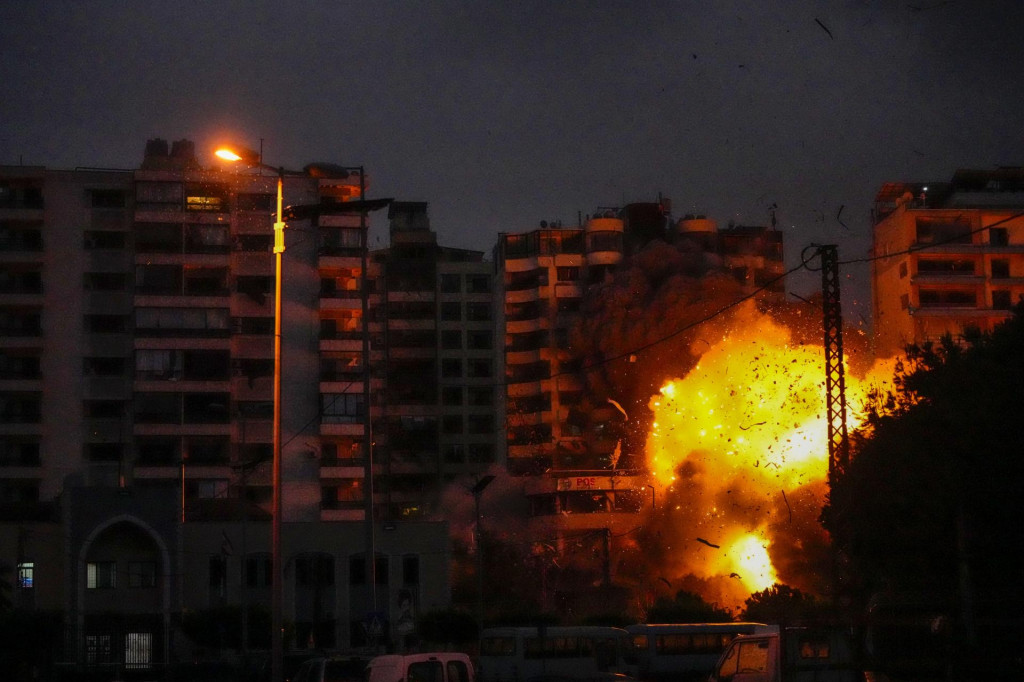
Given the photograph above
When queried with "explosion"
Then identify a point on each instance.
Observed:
(738, 448)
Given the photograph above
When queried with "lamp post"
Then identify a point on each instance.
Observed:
(277, 585)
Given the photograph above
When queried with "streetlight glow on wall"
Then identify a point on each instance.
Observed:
(276, 597)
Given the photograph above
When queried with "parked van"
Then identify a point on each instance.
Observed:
(426, 667)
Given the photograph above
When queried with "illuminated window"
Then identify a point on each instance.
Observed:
(26, 575)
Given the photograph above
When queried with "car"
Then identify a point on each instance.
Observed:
(334, 668)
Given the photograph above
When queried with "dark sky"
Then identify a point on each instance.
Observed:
(502, 114)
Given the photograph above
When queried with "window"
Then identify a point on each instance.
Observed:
(410, 570)
(1001, 300)
(455, 453)
(903, 269)
(256, 202)
(451, 424)
(480, 368)
(481, 423)
(481, 396)
(26, 575)
(451, 284)
(218, 574)
(107, 198)
(451, 368)
(480, 339)
(341, 408)
(258, 570)
(105, 281)
(98, 649)
(1000, 268)
(100, 575)
(568, 274)
(481, 453)
(451, 339)
(106, 324)
(451, 395)
(98, 239)
(479, 284)
(451, 310)
(478, 312)
(141, 574)
(998, 236)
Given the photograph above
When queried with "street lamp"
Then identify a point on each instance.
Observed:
(254, 160)
(277, 584)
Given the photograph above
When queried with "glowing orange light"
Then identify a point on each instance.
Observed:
(730, 440)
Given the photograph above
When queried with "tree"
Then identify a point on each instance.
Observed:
(686, 607)
(930, 501)
(783, 605)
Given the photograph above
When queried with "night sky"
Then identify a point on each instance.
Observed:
(503, 114)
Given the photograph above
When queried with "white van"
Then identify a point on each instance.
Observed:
(427, 667)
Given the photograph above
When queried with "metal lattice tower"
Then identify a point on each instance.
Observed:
(835, 383)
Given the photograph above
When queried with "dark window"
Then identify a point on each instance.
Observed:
(451, 339)
(479, 368)
(258, 572)
(998, 236)
(480, 339)
(479, 284)
(481, 423)
(451, 368)
(141, 574)
(1000, 268)
(478, 312)
(410, 570)
(451, 310)
(481, 396)
(451, 395)
(100, 575)
(1001, 300)
(106, 324)
(451, 284)
(99, 239)
(451, 424)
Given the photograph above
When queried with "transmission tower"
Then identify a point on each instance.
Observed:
(835, 383)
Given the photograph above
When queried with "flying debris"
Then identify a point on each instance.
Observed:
(619, 408)
(709, 544)
(825, 28)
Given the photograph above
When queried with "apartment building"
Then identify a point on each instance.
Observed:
(947, 257)
(434, 358)
(136, 403)
(577, 479)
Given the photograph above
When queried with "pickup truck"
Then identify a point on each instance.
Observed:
(789, 655)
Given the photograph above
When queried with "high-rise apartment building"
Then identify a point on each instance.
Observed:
(136, 402)
(435, 392)
(577, 477)
(947, 257)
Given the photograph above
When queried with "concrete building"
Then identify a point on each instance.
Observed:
(136, 371)
(435, 391)
(947, 257)
(579, 482)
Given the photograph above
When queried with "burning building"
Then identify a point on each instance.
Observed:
(597, 319)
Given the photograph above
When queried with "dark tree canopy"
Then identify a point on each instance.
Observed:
(930, 502)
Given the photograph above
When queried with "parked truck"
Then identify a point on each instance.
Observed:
(790, 655)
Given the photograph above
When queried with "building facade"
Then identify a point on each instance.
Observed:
(583, 489)
(435, 393)
(946, 257)
(136, 403)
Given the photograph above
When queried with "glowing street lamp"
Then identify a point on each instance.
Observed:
(276, 598)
